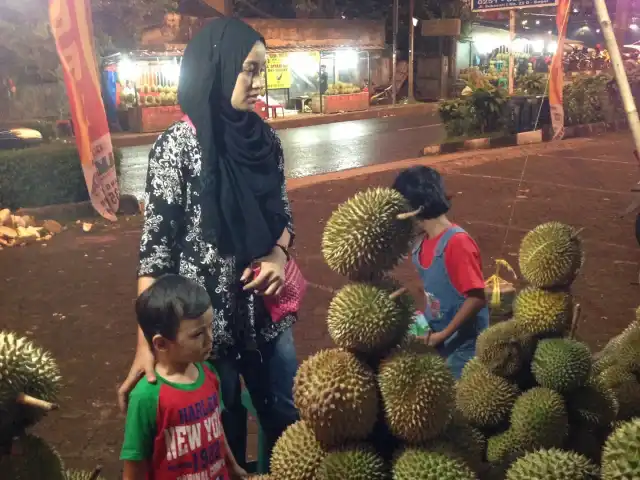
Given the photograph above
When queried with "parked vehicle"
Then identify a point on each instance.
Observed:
(19, 138)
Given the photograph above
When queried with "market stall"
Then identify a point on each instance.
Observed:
(144, 88)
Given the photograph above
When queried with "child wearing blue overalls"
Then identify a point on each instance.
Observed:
(450, 268)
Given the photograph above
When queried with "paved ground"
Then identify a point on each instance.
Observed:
(75, 296)
(326, 148)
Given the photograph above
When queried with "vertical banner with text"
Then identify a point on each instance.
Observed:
(72, 29)
(556, 73)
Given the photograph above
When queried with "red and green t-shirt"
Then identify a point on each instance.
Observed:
(177, 428)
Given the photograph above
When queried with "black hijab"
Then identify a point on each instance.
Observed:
(243, 212)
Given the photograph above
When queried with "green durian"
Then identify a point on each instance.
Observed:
(504, 349)
(354, 463)
(336, 396)
(552, 464)
(32, 459)
(551, 255)
(539, 419)
(593, 405)
(561, 364)
(84, 475)
(297, 455)
(503, 448)
(417, 391)
(542, 312)
(414, 464)
(363, 318)
(621, 453)
(485, 400)
(364, 236)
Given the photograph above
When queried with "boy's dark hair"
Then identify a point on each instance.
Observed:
(423, 188)
(170, 299)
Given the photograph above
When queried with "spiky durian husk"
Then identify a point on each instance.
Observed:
(337, 397)
(551, 255)
(364, 238)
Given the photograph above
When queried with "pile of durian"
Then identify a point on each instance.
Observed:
(531, 405)
(30, 382)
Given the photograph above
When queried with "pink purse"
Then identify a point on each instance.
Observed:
(295, 285)
(293, 292)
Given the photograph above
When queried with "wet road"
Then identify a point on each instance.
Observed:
(325, 148)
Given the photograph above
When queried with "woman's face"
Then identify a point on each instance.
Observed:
(250, 81)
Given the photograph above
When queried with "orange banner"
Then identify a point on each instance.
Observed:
(72, 29)
(556, 73)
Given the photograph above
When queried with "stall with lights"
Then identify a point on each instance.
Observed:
(144, 87)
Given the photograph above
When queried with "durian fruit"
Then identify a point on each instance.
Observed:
(504, 349)
(483, 399)
(364, 236)
(553, 464)
(297, 454)
(33, 459)
(417, 391)
(503, 448)
(336, 395)
(29, 383)
(543, 312)
(539, 419)
(468, 441)
(551, 255)
(355, 463)
(415, 464)
(85, 474)
(621, 453)
(364, 318)
(592, 405)
(626, 388)
(561, 364)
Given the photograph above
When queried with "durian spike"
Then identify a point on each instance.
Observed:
(30, 401)
(574, 320)
(408, 215)
(96, 473)
(397, 293)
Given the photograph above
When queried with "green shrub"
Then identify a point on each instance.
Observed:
(586, 100)
(532, 83)
(482, 111)
(48, 174)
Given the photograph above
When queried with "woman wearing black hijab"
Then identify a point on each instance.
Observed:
(216, 205)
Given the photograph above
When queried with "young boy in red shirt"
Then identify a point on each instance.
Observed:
(173, 429)
(449, 264)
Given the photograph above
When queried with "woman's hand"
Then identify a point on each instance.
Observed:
(143, 365)
(270, 280)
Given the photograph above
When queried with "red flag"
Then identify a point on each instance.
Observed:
(73, 32)
(556, 74)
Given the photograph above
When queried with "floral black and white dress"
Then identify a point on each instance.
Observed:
(172, 241)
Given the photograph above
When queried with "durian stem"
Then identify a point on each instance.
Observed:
(397, 293)
(408, 215)
(30, 401)
(96, 473)
(575, 320)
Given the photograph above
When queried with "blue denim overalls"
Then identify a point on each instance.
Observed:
(443, 302)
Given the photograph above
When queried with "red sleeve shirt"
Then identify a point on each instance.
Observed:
(462, 259)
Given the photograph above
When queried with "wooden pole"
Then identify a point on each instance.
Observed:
(394, 60)
(618, 69)
(412, 97)
(512, 58)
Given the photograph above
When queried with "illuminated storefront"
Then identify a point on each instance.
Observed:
(144, 87)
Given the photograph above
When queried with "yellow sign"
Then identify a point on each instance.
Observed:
(278, 72)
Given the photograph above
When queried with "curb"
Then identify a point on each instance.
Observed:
(527, 138)
(129, 205)
(141, 139)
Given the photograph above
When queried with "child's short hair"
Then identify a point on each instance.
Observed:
(169, 300)
(423, 188)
